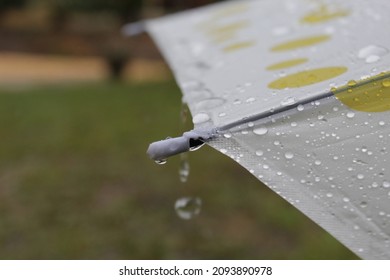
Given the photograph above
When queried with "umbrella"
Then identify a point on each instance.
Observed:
(298, 93)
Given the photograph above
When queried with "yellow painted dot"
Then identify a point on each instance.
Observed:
(287, 64)
(238, 46)
(323, 14)
(306, 78)
(368, 95)
(300, 43)
(231, 11)
(228, 28)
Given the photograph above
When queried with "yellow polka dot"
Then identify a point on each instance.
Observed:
(369, 95)
(287, 64)
(228, 28)
(306, 78)
(238, 46)
(231, 11)
(323, 14)
(301, 43)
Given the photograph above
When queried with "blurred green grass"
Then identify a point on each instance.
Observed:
(75, 183)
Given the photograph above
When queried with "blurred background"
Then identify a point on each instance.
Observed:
(79, 105)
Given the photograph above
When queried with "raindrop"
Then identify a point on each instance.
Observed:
(288, 101)
(350, 115)
(259, 153)
(360, 176)
(386, 83)
(382, 123)
(227, 135)
(372, 53)
(317, 162)
(289, 155)
(294, 124)
(184, 170)
(161, 161)
(329, 195)
(221, 115)
(363, 204)
(250, 100)
(346, 199)
(386, 184)
(200, 118)
(224, 151)
(188, 207)
(300, 107)
(260, 131)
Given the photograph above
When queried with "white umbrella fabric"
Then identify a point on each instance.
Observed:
(298, 93)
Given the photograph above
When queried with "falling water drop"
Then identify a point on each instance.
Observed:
(188, 207)
(184, 170)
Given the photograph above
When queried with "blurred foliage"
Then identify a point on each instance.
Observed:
(124, 8)
(7, 4)
(75, 183)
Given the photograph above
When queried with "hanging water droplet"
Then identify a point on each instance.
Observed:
(184, 170)
(260, 130)
(161, 161)
(289, 155)
(188, 207)
(200, 118)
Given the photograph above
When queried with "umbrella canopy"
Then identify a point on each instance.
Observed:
(298, 93)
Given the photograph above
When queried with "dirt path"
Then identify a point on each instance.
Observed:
(18, 68)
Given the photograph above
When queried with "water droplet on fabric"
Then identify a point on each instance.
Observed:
(259, 153)
(329, 195)
(386, 184)
(386, 83)
(289, 155)
(260, 130)
(188, 207)
(200, 118)
(317, 162)
(360, 176)
(288, 101)
(372, 53)
(350, 115)
(227, 135)
(300, 107)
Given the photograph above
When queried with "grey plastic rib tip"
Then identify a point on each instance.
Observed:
(161, 150)
(133, 29)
